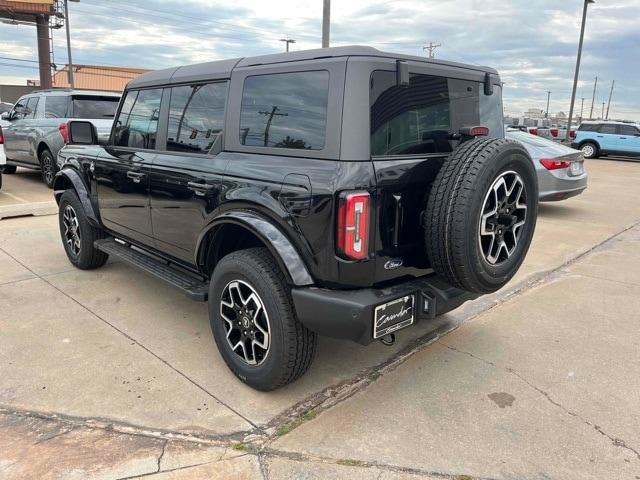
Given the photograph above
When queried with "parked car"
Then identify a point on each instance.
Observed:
(38, 125)
(5, 107)
(560, 169)
(3, 157)
(303, 198)
(597, 138)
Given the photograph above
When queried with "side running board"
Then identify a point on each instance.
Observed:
(195, 288)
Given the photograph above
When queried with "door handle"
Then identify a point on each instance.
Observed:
(199, 188)
(135, 176)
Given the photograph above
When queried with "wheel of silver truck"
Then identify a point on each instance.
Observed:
(590, 150)
(481, 214)
(48, 167)
(78, 235)
(254, 323)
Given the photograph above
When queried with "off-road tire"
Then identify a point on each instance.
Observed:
(596, 152)
(9, 169)
(454, 209)
(292, 346)
(48, 167)
(88, 257)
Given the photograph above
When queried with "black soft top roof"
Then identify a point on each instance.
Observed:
(223, 68)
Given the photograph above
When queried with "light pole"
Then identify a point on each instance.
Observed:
(546, 115)
(287, 41)
(70, 62)
(577, 74)
(326, 22)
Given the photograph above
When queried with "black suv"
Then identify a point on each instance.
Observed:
(343, 192)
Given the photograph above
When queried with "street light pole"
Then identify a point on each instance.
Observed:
(577, 74)
(287, 41)
(70, 62)
(593, 99)
(326, 22)
(546, 115)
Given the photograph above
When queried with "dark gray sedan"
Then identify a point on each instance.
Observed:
(560, 169)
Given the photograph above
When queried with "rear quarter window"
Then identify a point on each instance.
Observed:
(285, 110)
(94, 106)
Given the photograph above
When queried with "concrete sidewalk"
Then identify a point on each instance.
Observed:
(112, 374)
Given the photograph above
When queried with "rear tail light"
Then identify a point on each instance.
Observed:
(353, 225)
(63, 128)
(478, 131)
(554, 163)
(554, 132)
(533, 131)
(1, 136)
(572, 134)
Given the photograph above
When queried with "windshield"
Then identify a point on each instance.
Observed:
(420, 118)
(95, 107)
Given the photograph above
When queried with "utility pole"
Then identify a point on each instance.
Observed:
(287, 41)
(577, 73)
(431, 47)
(326, 22)
(271, 114)
(546, 115)
(603, 104)
(70, 62)
(581, 108)
(593, 99)
(613, 82)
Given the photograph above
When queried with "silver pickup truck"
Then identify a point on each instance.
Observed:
(38, 127)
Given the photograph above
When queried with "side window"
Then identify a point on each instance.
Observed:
(137, 124)
(285, 110)
(56, 106)
(196, 116)
(628, 130)
(18, 108)
(30, 109)
(608, 129)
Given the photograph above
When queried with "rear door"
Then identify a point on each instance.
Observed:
(187, 172)
(411, 131)
(122, 170)
(628, 139)
(607, 137)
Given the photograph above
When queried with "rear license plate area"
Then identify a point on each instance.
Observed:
(393, 315)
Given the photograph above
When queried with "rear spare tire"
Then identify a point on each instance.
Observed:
(481, 214)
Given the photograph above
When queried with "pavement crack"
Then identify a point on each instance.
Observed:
(305, 458)
(164, 447)
(264, 466)
(615, 441)
(130, 338)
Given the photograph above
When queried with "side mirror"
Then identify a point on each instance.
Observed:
(5, 116)
(82, 133)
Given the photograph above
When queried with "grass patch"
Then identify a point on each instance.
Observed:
(349, 462)
(241, 447)
(287, 427)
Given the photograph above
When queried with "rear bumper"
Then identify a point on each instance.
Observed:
(348, 314)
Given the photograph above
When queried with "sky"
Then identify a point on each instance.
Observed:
(532, 43)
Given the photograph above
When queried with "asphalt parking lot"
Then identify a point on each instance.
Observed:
(112, 374)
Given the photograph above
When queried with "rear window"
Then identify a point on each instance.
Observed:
(95, 107)
(420, 118)
(608, 129)
(285, 110)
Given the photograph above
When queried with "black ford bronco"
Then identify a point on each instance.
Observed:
(343, 192)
